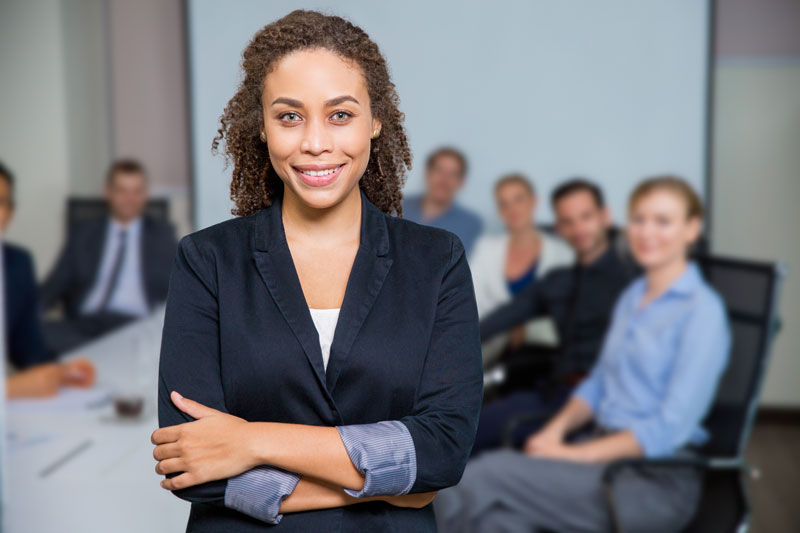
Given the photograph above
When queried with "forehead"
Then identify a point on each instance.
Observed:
(580, 199)
(315, 75)
(660, 200)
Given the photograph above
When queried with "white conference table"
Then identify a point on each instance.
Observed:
(73, 465)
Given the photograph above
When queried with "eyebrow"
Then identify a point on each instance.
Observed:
(332, 102)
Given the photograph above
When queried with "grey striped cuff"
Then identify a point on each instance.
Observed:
(260, 491)
(384, 452)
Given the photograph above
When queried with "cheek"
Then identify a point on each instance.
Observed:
(354, 143)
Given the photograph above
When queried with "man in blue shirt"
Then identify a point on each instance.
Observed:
(445, 172)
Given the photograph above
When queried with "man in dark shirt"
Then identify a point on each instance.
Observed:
(579, 299)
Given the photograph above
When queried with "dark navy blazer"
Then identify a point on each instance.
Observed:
(23, 327)
(238, 337)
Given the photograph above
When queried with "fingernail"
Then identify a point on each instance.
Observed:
(178, 394)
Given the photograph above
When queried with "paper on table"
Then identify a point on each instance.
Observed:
(69, 399)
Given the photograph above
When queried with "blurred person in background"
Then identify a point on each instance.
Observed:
(578, 298)
(662, 359)
(505, 264)
(32, 371)
(445, 173)
(112, 269)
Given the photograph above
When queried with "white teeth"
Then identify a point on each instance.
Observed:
(318, 173)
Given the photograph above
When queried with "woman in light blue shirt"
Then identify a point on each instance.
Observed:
(653, 384)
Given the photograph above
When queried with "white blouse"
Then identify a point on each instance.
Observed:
(325, 322)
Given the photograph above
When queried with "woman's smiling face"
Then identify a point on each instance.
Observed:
(318, 125)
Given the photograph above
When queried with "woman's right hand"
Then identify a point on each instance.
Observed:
(544, 439)
(414, 501)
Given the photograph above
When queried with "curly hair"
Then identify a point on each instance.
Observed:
(255, 183)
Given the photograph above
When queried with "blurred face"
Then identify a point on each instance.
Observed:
(659, 230)
(581, 222)
(127, 195)
(318, 125)
(516, 206)
(6, 207)
(444, 178)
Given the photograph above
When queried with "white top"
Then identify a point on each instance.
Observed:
(487, 264)
(128, 296)
(325, 322)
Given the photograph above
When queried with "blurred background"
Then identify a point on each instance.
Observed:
(613, 91)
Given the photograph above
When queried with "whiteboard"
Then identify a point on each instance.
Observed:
(612, 91)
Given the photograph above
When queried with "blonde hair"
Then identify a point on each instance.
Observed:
(516, 177)
(674, 184)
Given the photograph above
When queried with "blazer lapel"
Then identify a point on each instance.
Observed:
(276, 266)
(367, 275)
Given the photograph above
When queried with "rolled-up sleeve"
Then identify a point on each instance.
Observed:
(590, 390)
(701, 360)
(260, 491)
(384, 453)
(444, 419)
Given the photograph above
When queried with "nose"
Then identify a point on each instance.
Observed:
(317, 138)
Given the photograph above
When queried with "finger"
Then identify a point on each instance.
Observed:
(170, 466)
(178, 482)
(191, 407)
(166, 451)
(165, 435)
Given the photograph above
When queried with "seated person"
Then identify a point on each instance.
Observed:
(662, 358)
(578, 298)
(112, 269)
(31, 371)
(445, 173)
(505, 264)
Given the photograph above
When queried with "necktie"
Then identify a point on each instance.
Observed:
(115, 269)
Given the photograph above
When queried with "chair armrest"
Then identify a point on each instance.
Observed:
(701, 463)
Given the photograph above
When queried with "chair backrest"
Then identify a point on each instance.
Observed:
(83, 209)
(750, 290)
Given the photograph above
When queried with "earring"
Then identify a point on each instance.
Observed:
(263, 136)
(375, 133)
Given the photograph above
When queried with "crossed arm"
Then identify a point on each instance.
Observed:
(311, 467)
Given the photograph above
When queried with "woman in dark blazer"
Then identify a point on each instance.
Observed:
(320, 364)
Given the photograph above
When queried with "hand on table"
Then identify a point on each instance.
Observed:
(209, 448)
(78, 373)
(39, 381)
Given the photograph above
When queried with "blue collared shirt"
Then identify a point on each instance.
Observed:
(463, 222)
(660, 364)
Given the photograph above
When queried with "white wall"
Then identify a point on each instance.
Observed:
(614, 90)
(34, 136)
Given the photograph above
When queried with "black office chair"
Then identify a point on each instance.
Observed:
(750, 290)
(80, 210)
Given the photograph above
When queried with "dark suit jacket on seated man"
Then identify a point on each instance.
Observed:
(23, 329)
(579, 299)
(112, 269)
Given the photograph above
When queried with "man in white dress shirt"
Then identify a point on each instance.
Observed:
(113, 269)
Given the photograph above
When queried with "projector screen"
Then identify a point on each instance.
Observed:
(613, 91)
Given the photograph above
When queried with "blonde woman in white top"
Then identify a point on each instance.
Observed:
(504, 264)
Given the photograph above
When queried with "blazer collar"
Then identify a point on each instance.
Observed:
(374, 234)
(276, 266)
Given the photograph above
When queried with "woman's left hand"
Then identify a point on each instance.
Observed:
(214, 446)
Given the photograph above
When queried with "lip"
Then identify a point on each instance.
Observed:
(318, 181)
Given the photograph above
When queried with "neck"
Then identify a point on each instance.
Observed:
(524, 234)
(592, 255)
(327, 227)
(122, 221)
(432, 206)
(661, 277)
